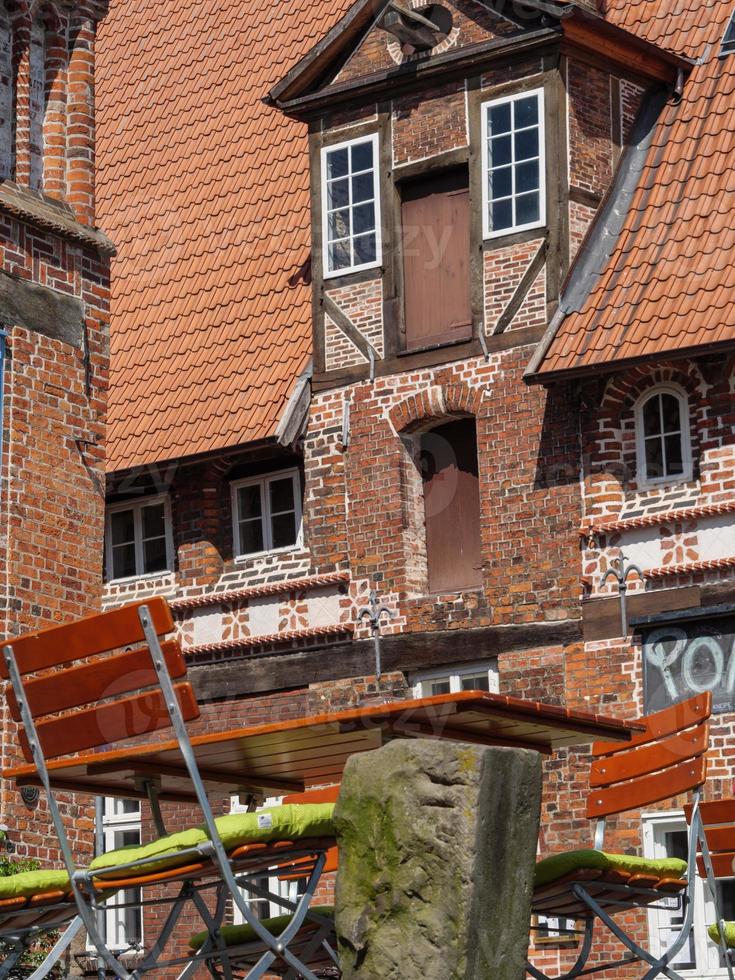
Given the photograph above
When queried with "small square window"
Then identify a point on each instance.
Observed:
(138, 538)
(351, 206)
(513, 164)
(728, 41)
(266, 513)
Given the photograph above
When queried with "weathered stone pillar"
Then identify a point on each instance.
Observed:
(437, 849)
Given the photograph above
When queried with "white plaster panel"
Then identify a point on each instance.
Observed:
(716, 537)
(642, 546)
(264, 615)
(207, 625)
(323, 607)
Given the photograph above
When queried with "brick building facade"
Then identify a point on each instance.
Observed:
(54, 323)
(386, 398)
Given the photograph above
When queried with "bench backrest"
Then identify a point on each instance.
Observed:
(92, 682)
(718, 824)
(665, 759)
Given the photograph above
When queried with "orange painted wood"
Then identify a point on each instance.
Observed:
(723, 865)
(87, 637)
(714, 812)
(327, 794)
(632, 763)
(720, 838)
(648, 789)
(90, 682)
(108, 723)
(657, 726)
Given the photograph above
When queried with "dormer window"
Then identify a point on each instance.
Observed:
(513, 164)
(350, 206)
(728, 41)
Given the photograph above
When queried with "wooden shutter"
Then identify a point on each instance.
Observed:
(452, 506)
(435, 215)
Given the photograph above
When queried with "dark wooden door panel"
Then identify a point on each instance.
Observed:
(436, 267)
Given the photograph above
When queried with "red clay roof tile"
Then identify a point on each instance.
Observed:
(204, 189)
(668, 284)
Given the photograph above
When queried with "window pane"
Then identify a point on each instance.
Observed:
(251, 537)
(500, 119)
(154, 555)
(527, 177)
(338, 224)
(527, 208)
(362, 188)
(122, 526)
(153, 521)
(338, 194)
(281, 495)
(652, 416)
(526, 112)
(670, 409)
(502, 215)
(123, 561)
(249, 501)
(439, 687)
(501, 182)
(284, 530)
(362, 156)
(365, 250)
(526, 144)
(654, 458)
(340, 256)
(674, 461)
(337, 163)
(363, 218)
(726, 898)
(500, 151)
(477, 682)
(129, 806)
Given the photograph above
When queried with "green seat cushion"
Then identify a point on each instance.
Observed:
(292, 821)
(714, 934)
(239, 935)
(559, 865)
(29, 883)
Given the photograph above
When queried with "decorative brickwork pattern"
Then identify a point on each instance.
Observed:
(504, 269)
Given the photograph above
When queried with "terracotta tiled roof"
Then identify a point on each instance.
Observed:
(669, 283)
(203, 189)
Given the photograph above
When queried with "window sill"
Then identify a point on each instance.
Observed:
(145, 577)
(292, 549)
(355, 270)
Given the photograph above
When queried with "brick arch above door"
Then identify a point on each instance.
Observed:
(433, 404)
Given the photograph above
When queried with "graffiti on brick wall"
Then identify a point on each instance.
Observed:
(681, 659)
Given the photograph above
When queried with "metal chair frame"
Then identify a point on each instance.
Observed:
(22, 939)
(632, 896)
(86, 886)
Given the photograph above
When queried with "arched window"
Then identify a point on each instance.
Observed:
(662, 435)
(37, 107)
(7, 100)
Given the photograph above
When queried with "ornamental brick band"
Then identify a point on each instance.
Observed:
(437, 851)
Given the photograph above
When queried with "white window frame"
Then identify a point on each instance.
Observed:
(263, 481)
(640, 440)
(326, 272)
(487, 232)
(454, 673)
(706, 953)
(137, 506)
(112, 822)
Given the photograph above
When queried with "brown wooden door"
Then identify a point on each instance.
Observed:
(435, 214)
(452, 506)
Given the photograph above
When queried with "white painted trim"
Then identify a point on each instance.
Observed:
(329, 148)
(454, 673)
(263, 481)
(137, 505)
(487, 232)
(686, 443)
